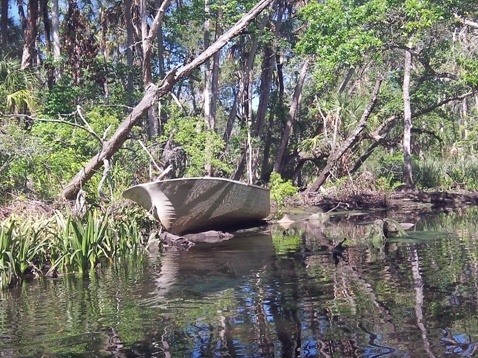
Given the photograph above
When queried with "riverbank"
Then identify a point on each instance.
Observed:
(40, 238)
(410, 200)
(397, 200)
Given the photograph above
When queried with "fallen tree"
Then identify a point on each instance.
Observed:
(351, 141)
(152, 93)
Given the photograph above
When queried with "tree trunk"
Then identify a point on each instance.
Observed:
(294, 106)
(407, 122)
(129, 50)
(354, 138)
(152, 93)
(232, 116)
(265, 170)
(55, 25)
(159, 35)
(30, 34)
(21, 14)
(209, 119)
(246, 92)
(4, 25)
(147, 38)
(268, 62)
(46, 25)
(207, 67)
(215, 71)
(146, 43)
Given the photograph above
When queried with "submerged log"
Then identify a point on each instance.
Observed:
(209, 237)
(186, 241)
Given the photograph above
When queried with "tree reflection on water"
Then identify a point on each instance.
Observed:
(279, 293)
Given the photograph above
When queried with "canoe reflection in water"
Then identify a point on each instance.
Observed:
(209, 268)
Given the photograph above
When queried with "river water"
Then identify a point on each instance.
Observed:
(274, 293)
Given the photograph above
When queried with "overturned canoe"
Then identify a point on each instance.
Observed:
(199, 204)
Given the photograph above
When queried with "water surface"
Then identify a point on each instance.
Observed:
(271, 294)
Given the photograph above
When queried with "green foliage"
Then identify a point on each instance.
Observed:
(67, 243)
(386, 183)
(17, 88)
(85, 242)
(22, 246)
(470, 70)
(190, 134)
(430, 172)
(390, 167)
(62, 98)
(338, 32)
(280, 190)
(19, 157)
(66, 148)
(421, 14)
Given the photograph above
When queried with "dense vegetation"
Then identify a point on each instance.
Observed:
(323, 93)
(297, 82)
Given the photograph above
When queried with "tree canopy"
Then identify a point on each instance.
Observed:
(321, 92)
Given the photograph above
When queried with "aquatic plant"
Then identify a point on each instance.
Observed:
(86, 241)
(7, 269)
(68, 243)
(23, 249)
(82, 241)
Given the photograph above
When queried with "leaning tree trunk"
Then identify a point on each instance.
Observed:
(349, 143)
(378, 135)
(152, 93)
(407, 122)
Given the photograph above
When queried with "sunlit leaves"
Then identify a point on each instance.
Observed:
(469, 67)
(191, 138)
(337, 33)
(17, 87)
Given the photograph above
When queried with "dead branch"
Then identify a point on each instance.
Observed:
(152, 93)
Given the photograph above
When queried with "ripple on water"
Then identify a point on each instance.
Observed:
(251, 298)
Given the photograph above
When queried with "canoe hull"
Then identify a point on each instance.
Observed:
(199, 204)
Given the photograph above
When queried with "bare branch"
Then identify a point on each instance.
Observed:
(150, 155)
(466, 22)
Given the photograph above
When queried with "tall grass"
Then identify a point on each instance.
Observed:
(446, 173)
(430, 172)
(64, 243)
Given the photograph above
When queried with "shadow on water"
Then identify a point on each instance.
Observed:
(298, 291)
